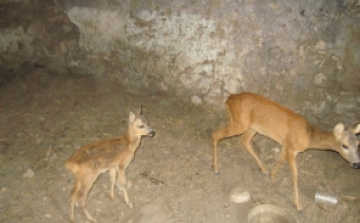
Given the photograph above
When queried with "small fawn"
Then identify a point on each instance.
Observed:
(250, 114)
(113, 155)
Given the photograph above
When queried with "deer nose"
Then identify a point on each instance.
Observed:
(355, 165)
(151, 134)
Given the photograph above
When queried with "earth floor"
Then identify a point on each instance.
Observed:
(44, 119)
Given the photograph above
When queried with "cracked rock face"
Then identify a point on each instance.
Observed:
(282, 50)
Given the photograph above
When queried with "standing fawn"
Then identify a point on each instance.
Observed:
(88, 162)
(250, 114)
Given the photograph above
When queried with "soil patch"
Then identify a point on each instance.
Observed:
(44, 119)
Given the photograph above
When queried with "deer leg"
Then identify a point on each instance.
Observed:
(122, 178)
(83, 193)
(112, 175)
(291, 158)
(279, 163)
(245, 140)
(74, 198)
(217, 136)
(220, 134)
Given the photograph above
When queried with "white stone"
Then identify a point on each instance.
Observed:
(29, 173)
(238, 195)
(144, 15)
(321, 47)
(276, 149)
(339, 65)
(47, 215)
(196, 100)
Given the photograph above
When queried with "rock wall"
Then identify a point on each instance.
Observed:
(303, 53)
(35, 34)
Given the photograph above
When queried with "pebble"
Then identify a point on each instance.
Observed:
(238, 195)
(339, 65)
(321, 47)
(47, 215)
(196, 100)
(29, 173)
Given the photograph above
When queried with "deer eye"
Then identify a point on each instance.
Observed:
(345, 147)
(141, 126)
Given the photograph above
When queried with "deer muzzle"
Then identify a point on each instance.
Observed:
(152, 133)
(355, 165)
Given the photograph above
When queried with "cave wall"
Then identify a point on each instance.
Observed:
(302, 53)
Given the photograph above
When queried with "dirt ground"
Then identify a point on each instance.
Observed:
(45, 118)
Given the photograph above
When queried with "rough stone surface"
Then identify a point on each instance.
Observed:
(289, 51)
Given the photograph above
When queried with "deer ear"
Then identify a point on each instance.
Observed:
(338, 130)
(132, 117)
(138, 111)
(356, 129)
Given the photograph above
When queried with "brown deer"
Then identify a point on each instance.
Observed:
(113, 155)
(250, 114)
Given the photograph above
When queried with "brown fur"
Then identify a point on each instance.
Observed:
(250, 114)
(113, 155)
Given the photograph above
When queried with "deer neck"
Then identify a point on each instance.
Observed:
(132, 139)
(322, 140)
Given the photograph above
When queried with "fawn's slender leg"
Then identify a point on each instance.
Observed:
(86, 185)
(122, 178)
(112, 174)
(74, 198)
